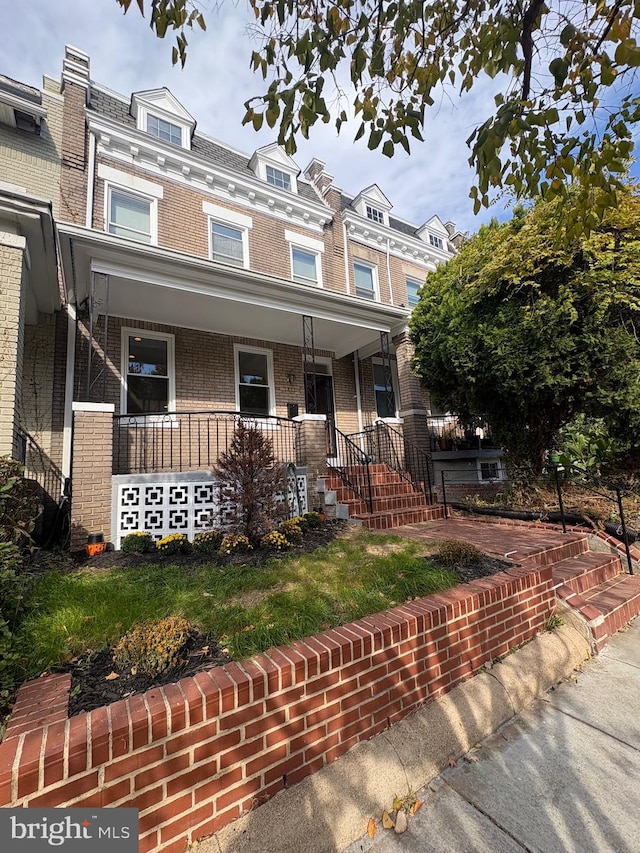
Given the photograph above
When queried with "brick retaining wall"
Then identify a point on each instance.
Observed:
(195, 755)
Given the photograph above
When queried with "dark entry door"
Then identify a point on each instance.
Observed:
(323, 399)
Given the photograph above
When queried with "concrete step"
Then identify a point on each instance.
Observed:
(606, 607)
(586, 571)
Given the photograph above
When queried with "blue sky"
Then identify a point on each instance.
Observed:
(126, 56)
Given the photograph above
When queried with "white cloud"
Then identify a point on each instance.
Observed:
(126, 56)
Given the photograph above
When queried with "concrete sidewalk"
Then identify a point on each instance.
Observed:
(562, 776)
(327, 811)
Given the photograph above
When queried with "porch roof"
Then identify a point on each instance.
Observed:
(158, 285)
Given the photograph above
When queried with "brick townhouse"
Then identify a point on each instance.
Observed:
(155, 282)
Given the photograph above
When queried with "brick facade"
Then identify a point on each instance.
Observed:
(195, 755)
(12, 308)
(92, 460)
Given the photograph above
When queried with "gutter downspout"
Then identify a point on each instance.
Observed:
(90, 179)
(389, 273)
(346, 257)
(67, 430)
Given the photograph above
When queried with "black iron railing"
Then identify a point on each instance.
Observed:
(52, 525)
(352, 465)
(556, 478)
(184, 441)
(447, 433)
(382, 443)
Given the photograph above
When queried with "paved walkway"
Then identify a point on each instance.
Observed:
(514, 542)
(563, 776)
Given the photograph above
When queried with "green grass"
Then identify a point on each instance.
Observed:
(247, 608)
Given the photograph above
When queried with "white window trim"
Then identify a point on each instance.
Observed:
(157, 419)
(498, 462)
(145, 110)
(233, 219)
(305, 244)
(237, 348)
(262, 170)
(414, 278)
(376, 281)
(394, 385)
(125, 190)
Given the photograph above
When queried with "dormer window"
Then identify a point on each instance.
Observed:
(436, 241)
(158, 113)
(278, 178)
(375, 215)
(164, 130)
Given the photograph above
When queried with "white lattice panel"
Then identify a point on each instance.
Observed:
(173, 506)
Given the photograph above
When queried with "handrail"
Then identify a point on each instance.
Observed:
(415, 467)
(349, 458)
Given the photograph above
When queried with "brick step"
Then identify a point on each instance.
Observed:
(586, 571)
(389, 520)
(390, 504)
(390, 490)
(551, 555)
(376, 478)
(607, 607)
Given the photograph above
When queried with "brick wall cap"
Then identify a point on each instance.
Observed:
(302, 418)
(94, 407)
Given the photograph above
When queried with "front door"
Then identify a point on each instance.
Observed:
(323, 404)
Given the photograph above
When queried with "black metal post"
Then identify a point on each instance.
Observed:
(559, 490)
(444, 496)
(624, 531)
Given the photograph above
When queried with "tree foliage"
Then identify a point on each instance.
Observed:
(564, 74)
(250, 480)
(527, 333)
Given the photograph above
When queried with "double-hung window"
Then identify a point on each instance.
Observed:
(278, 178)
(384, 391)
(130, 215)
(227, 244)
(413, 286)
(436, 241)
(304, 265)
(164, 130)
(365, 277)
(147, 372)
(254, 372)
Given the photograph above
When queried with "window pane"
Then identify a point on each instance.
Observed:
(374, 214)
(164, 130)
(278, 178)
(147, 394)
(304, 265)
(253, 368)
(413, 286)
(254, 399)
(147, 357)
(364, 281)
(130, 216)
(226, 244)
(436, 241)
(385, 398)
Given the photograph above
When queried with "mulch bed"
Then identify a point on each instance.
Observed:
(90, 687)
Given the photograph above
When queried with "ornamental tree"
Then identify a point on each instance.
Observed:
(564, 81)
(526, 332)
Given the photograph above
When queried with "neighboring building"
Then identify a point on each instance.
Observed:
(194, 280)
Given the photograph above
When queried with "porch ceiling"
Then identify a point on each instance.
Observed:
(151, 284)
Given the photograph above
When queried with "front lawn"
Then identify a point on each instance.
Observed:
(247, 608)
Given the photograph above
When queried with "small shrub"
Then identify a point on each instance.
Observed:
(275, 541)
(235, 543)
(291, 530)
(20, 504)
(153, 647)
(313, 519)
(207, 541)
(139, 542)
(174, 543)
(454, 552)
